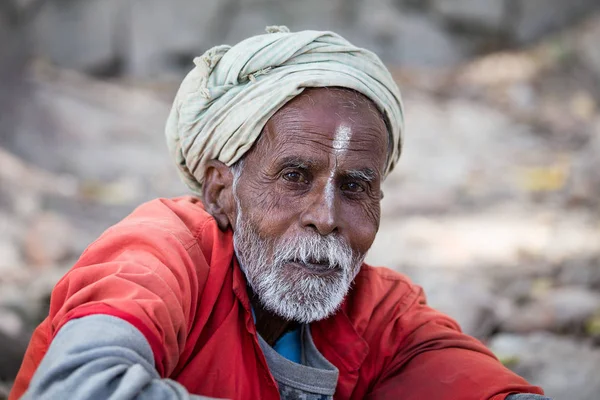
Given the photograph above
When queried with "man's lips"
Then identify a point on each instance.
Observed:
(316, 268)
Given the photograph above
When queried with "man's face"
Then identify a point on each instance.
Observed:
(308, 202)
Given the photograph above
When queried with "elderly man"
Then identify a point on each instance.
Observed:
(259, 291)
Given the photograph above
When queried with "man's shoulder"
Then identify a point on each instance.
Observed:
(183, 218)
(177, 211)
(381, 293)
(385, 280)
(385, 273)
(166, 228)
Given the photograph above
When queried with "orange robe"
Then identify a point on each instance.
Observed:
(168, 270)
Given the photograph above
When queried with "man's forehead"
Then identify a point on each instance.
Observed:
(342, 114)
(314, 99)
(322, 124)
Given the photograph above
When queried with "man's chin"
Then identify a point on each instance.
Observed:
(303, 315)
(295, 304)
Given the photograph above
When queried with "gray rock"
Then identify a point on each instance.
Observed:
(11, 258)
(10, 323)
(588, 46)
(252, 21)
(486, 14)
(312, 14)
(572, 305)
(533, 18)
(561, 309)
(28, 300)
(158, 38)
(80, 34)
(164, 36)
(124, 125)
(563, 367)
(528, 318)
(407, 39)
(515, 287)
(581, 272)
(14, 55)
(12, 350)
(49, 240)
(5, 389)
(585, 180)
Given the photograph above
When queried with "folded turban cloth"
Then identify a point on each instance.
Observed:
(226, 100)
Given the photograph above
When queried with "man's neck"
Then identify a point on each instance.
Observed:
(270, 326)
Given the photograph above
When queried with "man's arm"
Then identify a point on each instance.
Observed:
(435, 360)
(147, 271)
(101, 357)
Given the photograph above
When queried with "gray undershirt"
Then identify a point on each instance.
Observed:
(314, 379)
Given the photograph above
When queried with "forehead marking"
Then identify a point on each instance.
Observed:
(341, 142)
(341, 139)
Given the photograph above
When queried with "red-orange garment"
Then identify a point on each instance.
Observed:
(168, 270)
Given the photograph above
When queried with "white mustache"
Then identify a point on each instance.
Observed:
(332, 251)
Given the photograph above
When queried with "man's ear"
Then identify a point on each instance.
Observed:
(217, 193)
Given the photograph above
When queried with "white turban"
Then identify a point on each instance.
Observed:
(226, 100)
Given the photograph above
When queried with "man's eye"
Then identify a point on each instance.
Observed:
(294, 176)
(353, 187)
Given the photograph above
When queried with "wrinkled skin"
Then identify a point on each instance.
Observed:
(317, 167)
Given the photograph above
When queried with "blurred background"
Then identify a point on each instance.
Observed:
(494, 207)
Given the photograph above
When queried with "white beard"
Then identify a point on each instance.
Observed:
(289, 291)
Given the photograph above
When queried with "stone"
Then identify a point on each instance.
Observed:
(313, 14)
(587, 45)
(48, 240)
(515, 287)
(123, 125)
(11, 257)
(502, 236)
(482, 14)
(528, 318)
(572, 306)
(533, 18)
(10, 323)
(138, 38)
(4, 389)
(26, 180)
(253, 21)
(12, 350)
(80, 34)
(585, 180)
(393, 36)
(558, 310)
(28, 299)
(157, 49)
(421, 5)
(581, 272)
(566, 368)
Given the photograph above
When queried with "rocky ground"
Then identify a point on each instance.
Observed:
(155, 38)
(494, 207)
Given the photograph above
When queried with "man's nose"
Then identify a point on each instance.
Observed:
(321, 211)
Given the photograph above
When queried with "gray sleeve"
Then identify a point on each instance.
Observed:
(101, 357)
(526, 396)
